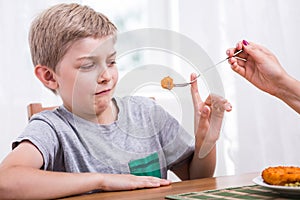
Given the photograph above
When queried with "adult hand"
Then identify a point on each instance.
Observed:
(260, 66)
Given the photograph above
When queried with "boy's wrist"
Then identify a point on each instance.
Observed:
(99, 180)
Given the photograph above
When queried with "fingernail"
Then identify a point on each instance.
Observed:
(228, 106)
(245, 42)
(227, 52)
(204, 112)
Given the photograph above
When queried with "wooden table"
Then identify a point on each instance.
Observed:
(174, 188)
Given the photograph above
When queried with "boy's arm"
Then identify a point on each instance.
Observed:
(208, 118)
(21, 178)
(204, 159)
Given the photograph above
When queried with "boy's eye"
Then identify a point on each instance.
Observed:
(112, 63)
(87, 66)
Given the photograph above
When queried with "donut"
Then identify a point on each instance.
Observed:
(281, 175)
(167, 83)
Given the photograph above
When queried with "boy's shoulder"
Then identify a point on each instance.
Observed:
(50, 116)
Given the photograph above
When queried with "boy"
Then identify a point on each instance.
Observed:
(95, 141)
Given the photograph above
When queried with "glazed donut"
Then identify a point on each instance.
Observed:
(281, 175)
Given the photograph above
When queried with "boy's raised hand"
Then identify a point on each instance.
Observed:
(208, 116)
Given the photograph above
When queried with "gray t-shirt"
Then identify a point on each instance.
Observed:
(145, 140)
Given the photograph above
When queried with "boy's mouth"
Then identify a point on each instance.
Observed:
(102, 92)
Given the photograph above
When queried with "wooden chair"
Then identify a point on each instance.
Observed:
(36, 108)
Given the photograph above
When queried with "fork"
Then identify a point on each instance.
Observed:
(211, 67)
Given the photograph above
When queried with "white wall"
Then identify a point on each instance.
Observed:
(18, 86)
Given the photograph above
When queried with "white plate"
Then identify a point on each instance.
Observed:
(285, 190)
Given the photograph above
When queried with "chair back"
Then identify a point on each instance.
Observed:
(34, 108)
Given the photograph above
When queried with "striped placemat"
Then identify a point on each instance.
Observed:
(245, 192)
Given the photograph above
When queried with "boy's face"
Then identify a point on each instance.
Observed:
(87, 76)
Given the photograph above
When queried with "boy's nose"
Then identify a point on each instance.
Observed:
(104, 76)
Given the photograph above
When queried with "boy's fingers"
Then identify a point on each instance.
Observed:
(195, 93)
(205, 112)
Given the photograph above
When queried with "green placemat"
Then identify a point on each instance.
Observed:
(245, 192)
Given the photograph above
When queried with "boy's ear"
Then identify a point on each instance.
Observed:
(47, 76)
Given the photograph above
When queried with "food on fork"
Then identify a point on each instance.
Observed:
(167, 83)
(281, 175)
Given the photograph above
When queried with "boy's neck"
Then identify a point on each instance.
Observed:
(109, 115)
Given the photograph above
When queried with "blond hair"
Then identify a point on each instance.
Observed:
(54, 30)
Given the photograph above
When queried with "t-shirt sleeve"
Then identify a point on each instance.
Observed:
(40, 133)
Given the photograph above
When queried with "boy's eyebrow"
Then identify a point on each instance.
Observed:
(94, 57)
(113, 54)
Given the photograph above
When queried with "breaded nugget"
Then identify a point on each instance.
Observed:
(281, 175)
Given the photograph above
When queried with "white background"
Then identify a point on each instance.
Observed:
(259, 132)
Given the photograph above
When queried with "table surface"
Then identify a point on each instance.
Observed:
(174, 188)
